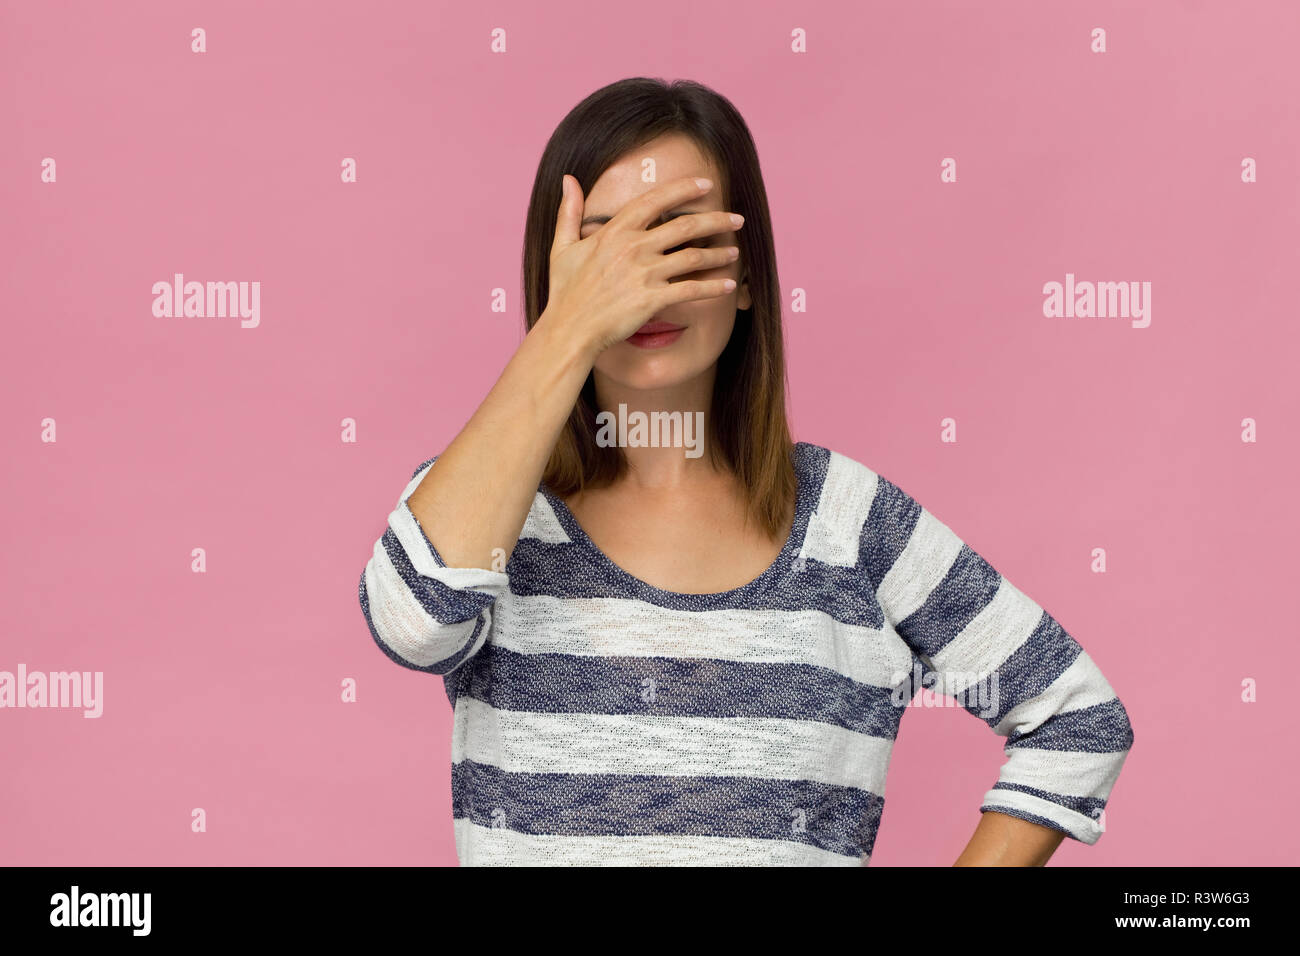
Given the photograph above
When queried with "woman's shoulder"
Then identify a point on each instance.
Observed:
(838, 473)
(847, 497)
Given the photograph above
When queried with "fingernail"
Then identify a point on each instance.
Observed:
(737, 219)
(704, 183)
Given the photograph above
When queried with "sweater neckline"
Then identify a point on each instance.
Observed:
(781, 564)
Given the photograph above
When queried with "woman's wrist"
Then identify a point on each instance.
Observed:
(570, 341)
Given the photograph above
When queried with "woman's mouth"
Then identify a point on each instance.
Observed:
(656, 335)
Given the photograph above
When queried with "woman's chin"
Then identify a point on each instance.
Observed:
(641, 369)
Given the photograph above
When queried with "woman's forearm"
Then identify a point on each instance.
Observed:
(476, 497)
(1002, 840)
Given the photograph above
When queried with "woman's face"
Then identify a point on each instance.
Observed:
(643, 363)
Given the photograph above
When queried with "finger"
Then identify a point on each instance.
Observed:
(569, 216)
(694, 259)
(651, 205)
(695, 225)
(689, 290)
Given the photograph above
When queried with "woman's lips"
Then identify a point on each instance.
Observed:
(656, 335)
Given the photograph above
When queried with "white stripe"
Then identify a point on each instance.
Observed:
(1081, 827)
(763, 748)
(497, 846)
(1081, 685)
(617, 627)
(835, 528)
(1071, 773)
(542, 524)
(926, 558)
(989, 638)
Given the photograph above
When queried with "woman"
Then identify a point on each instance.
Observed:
(673, 646)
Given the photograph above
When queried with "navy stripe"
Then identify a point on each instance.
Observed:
(451, 684)
(675, 687)
(1033, 667)
(1099, 729)
(837, 819)
(1088, 806)
(1031, 817)
(965, 590)
(889, 526)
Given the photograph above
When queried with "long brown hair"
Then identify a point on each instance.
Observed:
(748, 429)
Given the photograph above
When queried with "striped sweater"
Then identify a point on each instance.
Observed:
(600, 720)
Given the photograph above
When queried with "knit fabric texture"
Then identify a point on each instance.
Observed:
(601, 720)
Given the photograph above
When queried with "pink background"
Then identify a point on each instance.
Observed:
(222, 690)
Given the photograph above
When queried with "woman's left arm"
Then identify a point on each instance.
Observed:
(1000, 840)
(1010, 663)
